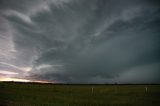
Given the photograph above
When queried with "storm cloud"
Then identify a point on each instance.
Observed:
(81, 41)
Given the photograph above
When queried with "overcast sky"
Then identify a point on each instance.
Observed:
(80, 41)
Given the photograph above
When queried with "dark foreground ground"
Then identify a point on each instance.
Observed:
(21, 94)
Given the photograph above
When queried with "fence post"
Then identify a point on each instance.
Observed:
(146, 88)
(115, 88)
(92, 89)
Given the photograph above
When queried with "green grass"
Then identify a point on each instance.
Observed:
(15, 94)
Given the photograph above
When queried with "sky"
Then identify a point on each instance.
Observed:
(80, 41)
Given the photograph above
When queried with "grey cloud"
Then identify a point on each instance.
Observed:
(140, 74)
(19, 5)
(90, 42)
(6, 68)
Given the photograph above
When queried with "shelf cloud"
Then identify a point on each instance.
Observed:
(81, 41)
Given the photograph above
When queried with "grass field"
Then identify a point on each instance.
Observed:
(20, 94)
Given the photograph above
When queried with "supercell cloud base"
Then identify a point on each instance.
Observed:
(80, 41)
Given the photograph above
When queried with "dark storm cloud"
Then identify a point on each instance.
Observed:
(15, 4)
(98, 41)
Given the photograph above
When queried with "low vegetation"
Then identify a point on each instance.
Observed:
(30, 94)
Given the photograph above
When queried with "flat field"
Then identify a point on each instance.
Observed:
(29, 94)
